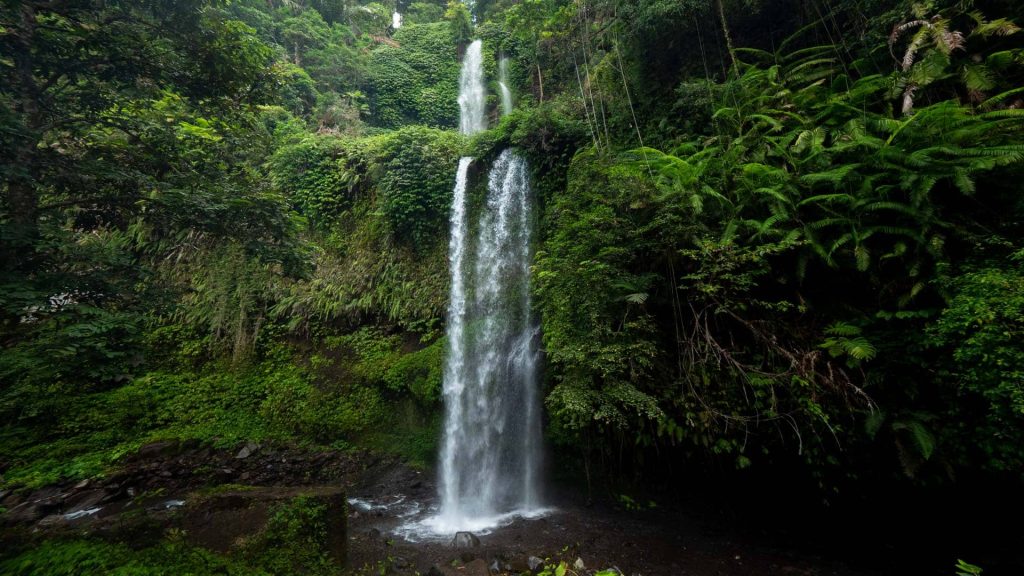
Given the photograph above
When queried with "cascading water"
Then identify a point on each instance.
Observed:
(506, 94)
(491, 445)
(396, 20)
(472, 94)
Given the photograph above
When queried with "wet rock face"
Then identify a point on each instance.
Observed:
(27, 509)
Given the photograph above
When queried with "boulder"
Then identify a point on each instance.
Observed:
(465, 540)
(155, 449)
(249, 449)
(535, 564)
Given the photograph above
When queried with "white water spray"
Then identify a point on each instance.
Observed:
(506, 94)
(396, 20)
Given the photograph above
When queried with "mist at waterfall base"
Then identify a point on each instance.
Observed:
(491, 446)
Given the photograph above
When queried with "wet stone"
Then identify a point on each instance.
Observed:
(465, 540)
(249, 449)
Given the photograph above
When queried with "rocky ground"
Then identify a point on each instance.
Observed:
(587, 538)
(218, 496)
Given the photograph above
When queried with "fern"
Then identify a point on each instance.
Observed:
(846, 340)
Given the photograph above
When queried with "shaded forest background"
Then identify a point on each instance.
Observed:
(779, 257)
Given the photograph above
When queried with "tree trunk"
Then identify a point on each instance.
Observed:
(728, 38)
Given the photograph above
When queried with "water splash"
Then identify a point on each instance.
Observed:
(396, 20)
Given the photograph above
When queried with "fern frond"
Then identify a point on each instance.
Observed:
(989, 103)
(828, 198)
(977, 77)
(922, 438)
(997, 27)
(839, 328)
(834, 176)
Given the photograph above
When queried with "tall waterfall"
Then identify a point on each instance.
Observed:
(396, 19)
(491, 445)
(506, 94)
(472, 93)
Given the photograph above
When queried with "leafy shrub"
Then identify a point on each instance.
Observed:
(315, 174)
(423, 13)
(294, 540)
(416, 174)
(383, 361)
(981, 334)
(417, 80)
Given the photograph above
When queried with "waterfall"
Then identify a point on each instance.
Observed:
(491, 445)
(396, 20)
(472, 94)
(506, 94)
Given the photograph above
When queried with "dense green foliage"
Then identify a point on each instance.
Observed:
(416, 81)
(759, 283)
(185, 204)
(773, 235)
